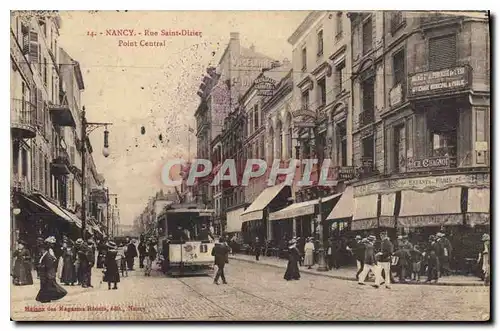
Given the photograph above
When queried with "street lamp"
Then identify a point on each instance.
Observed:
(16, 211)
(87, 128)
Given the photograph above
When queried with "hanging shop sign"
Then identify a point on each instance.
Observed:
(429, 162)
(437, 82)
(265, 86)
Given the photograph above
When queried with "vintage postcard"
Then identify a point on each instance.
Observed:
(250, 166)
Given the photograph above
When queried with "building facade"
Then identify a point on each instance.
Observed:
(45, 91)
(421, 117)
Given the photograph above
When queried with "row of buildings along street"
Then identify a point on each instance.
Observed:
(399, 101)
(52, 157)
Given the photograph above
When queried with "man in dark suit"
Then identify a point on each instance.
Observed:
(359, 255)
(142, 251)
(386, 250)
(130, 254)
(220, 252)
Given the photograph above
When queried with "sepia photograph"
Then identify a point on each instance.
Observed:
(250, 166)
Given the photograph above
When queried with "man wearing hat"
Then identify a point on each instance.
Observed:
(370, 263)
(359, 254)
(220, 253)
(386, 249)
(432, 260)
(444, 253)
(84, 264)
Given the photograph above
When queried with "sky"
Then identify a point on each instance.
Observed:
(156, 87)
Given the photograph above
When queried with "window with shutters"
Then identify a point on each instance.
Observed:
(398, 62)
(367, 158)
(320, 42)
(399, 148)
(341, 141)
(33, 47)
(339, 77)
(45, 78)
(304, 59)
(24, 162)
(442, 52)
(41, 168)
(367, 36)
(367, 116)
(48, 190)
(256, 117)
(25, 39)
(305, 100)
(15, 157)
(322, 92)
(396, 20)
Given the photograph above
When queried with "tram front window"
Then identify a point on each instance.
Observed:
(187, 229)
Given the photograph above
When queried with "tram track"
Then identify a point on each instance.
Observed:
(248, 293)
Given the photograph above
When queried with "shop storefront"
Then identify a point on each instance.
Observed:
(255, 218)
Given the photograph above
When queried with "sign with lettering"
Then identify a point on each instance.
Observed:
(427, 183)
(346, 173)
(435, 82)
(265, 86)
(429, 162)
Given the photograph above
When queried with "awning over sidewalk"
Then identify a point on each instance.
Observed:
(478, 206)
(31, 202)
(256, 210)
(74, 219)
(388, 203)
(345, 205)
(233, 219)
(55, 209)
(365, 212)
(300, 208)
(420, 209)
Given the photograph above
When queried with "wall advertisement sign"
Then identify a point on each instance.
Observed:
(436, 82)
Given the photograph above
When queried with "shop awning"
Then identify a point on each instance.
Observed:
(55, 209)
(419, 209)
(365, 212)
(478, 206)
(256, 210)
(345, 205)
(30, 201)
(74, 219)
(233, 220)
(300, 208)
(387, 205)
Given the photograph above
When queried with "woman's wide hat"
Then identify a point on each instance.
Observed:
(22, 241)
(111, 244)
(486, 237)
(50, 240)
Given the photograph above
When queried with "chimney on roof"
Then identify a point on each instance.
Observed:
(252, 48)
(234, 35)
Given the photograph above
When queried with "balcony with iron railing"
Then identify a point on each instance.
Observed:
(22, 118)
(61, 162)
(432, 19)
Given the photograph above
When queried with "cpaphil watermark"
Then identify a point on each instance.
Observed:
(300, 172)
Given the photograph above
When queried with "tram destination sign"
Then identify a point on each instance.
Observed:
(438, 82)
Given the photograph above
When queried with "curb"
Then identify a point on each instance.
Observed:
(352, 279)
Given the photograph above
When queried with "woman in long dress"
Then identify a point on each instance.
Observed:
(68, 274)
(292, 269)
(49, 289)
(309, 254)
(111, 273)
(22, 265)
(484, 257)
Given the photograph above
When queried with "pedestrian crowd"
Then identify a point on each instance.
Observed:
(77, 260)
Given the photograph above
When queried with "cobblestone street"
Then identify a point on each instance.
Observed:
(254, 292)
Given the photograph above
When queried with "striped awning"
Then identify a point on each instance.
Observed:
(387, 208)
(300, 209)
(256, 210)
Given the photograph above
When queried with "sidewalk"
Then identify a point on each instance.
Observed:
(347, 273)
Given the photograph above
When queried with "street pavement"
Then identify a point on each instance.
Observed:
(348, 273)
(255, 292)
